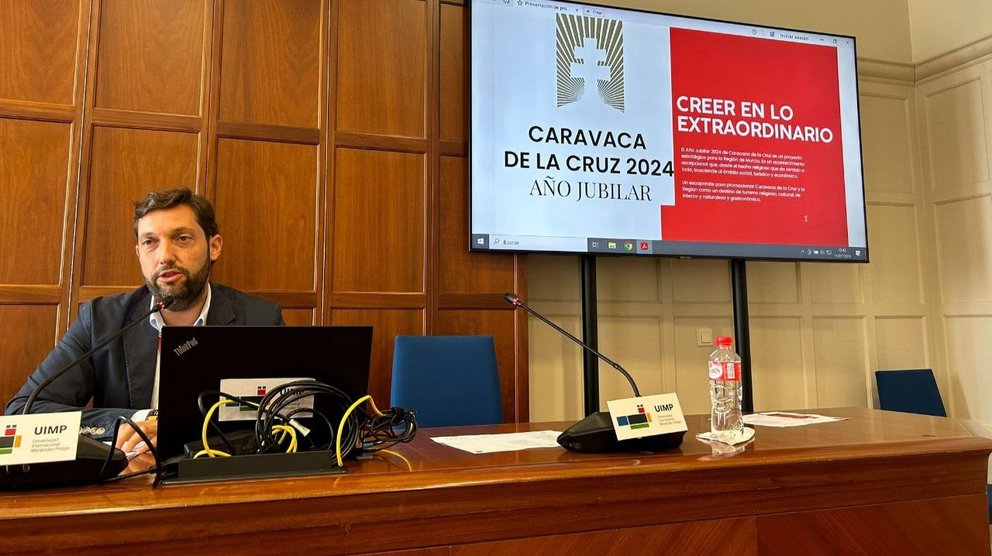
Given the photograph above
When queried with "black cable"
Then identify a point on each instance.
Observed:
(376, 432)
(361, 430)
(157, 468)
(314, 413)
(277, 400)
(148, 471)
(216, 426)
(395, 425)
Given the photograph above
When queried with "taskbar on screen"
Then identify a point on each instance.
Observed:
(634, 246)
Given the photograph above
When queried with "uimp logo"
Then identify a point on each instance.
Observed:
(260, 391)
(590, 52)
(9, 440)
(639, 420)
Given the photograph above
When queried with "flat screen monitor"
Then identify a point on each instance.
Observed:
(614, 131)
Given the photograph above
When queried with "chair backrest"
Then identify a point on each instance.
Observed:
(909, 391)
(448, 380)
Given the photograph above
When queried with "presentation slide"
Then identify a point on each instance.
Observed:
(756, 142)
(597, 129)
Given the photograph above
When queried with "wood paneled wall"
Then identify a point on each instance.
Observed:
(331, 136)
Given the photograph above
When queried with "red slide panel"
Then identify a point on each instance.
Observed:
(757, 140)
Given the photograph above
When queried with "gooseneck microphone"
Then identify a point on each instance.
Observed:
(95, 460)
(595, 433)
(512, 299)
(158, 306)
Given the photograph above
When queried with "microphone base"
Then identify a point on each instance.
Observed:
(84, 470)
(595, 435)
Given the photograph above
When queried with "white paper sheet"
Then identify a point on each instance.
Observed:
(508, 442)
(787, 419)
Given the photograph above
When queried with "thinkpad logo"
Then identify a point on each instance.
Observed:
(186, 346)
(590, 53)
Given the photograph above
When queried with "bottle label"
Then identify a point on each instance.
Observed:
(725, 370)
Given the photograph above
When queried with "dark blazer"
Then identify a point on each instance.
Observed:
(119, 379)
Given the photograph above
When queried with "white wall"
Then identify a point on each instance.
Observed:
(955, 114)
(881, 26)
(938, 27)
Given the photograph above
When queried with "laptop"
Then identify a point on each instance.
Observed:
(249, 361)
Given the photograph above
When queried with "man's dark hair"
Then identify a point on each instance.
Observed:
(158, 200)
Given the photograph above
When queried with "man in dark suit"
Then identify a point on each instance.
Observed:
(178, 241)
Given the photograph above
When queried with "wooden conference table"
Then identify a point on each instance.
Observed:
(877, 483)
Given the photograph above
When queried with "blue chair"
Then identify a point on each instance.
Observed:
(914, 391)
(448, 380)
(909, 391)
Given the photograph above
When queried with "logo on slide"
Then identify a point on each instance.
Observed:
(590, 50)
(9, 440)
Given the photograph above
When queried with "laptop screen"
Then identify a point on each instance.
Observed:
(249, 361)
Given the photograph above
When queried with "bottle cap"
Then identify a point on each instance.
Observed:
(724, 341)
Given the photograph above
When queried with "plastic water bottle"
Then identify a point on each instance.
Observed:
(726, 423)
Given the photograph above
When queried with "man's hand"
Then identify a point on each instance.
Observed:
(141, 462)
(131, 443)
